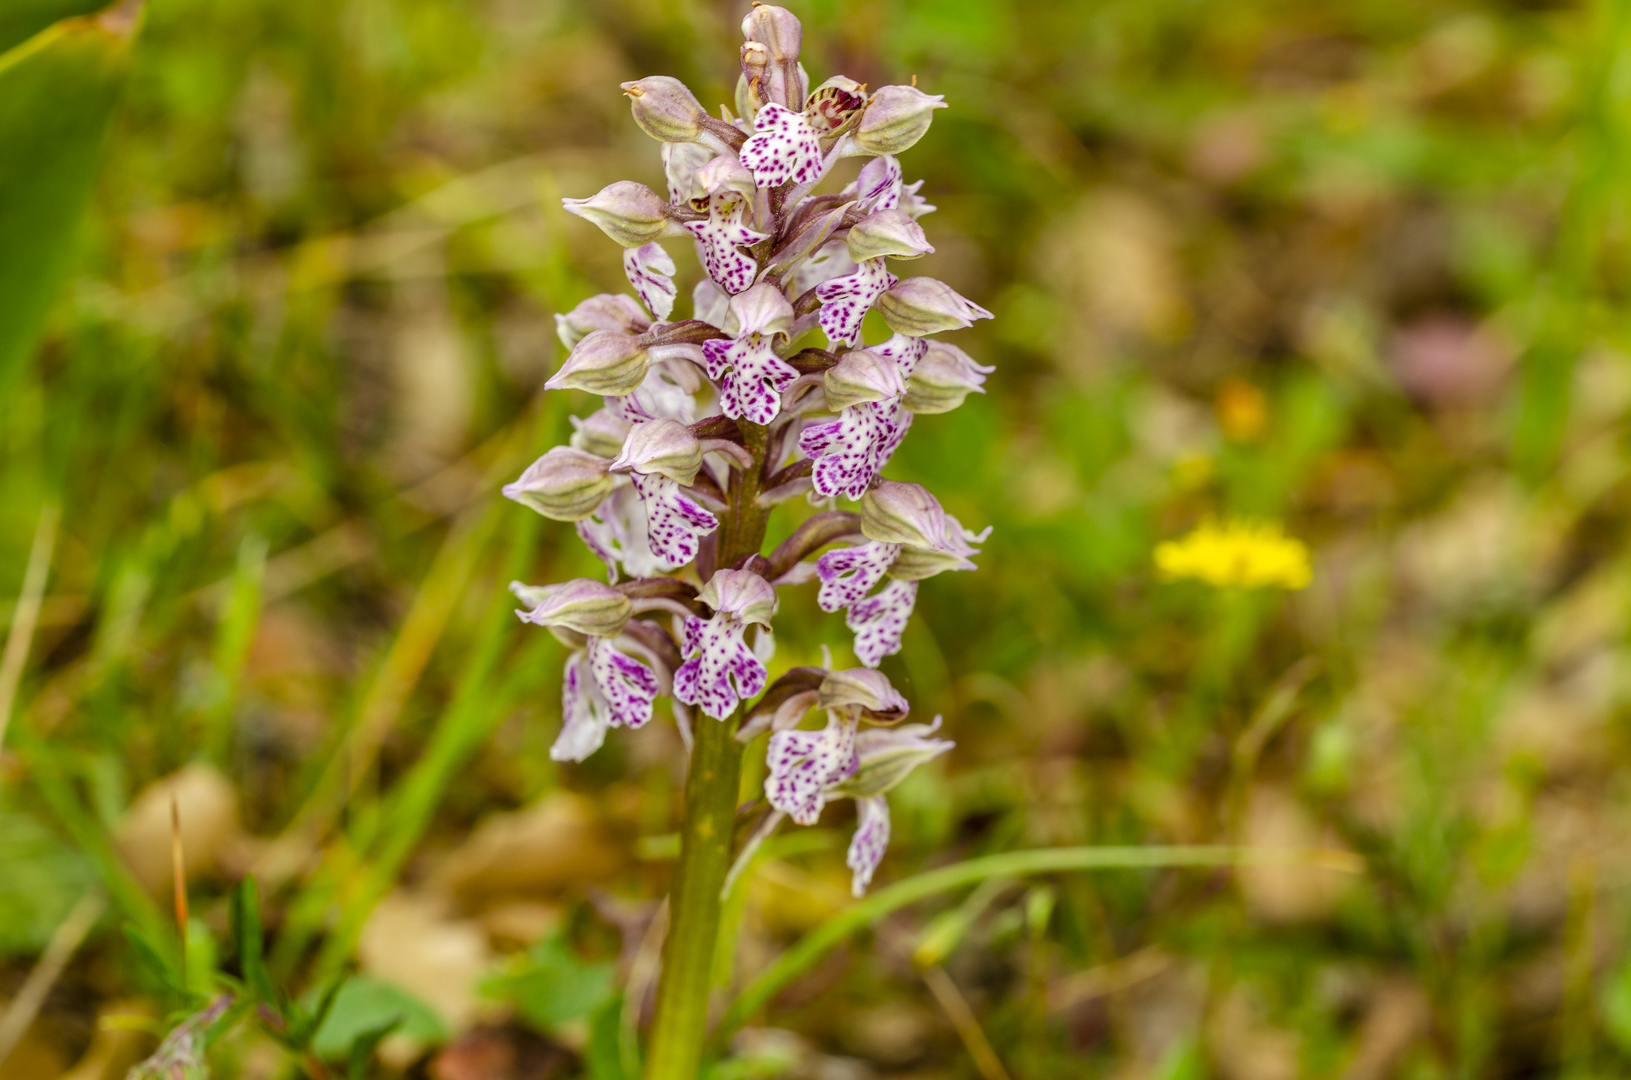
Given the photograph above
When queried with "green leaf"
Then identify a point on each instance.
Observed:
(603, 1054)
(365, 1010)
(156, 968)
(22, 19)
(248, 940)
(364, 1045)
(818, 942)
(305, 1019)
(553, 987)
(43, 878)
(57, 91)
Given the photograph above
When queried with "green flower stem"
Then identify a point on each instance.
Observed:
(818, 942)
(681, 1022)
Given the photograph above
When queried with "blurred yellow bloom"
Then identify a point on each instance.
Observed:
(1237, 554)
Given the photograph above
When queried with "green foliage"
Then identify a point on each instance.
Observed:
(298, 346)
(364, 1011)
(42, 880)
(57, 92)
(22, 19)
(551, 986)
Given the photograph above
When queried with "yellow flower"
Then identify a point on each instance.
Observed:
(1237, 554)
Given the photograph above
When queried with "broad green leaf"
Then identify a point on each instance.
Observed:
(553, 987)
(57, 91)
(365, 1009)
(22, 19)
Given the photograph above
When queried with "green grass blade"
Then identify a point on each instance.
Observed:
(818, 942)
(57, 91)
(22, 19)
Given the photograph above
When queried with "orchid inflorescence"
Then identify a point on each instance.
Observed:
(711, 421)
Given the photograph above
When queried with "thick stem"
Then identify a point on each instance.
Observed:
(742, 531)
(681, 1022)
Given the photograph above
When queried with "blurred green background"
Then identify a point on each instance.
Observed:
(1358, 268)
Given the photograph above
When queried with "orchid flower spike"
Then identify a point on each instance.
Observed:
(762, 389)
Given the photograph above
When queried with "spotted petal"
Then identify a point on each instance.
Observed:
(584, 714)
(846, 300)
(627, 686)
(847, 574)
(878, 186)
(719, 236)
(673, 520)
(871, 840)
(845, 450)
(719, 669)
(904, 351)
(616, 534)
(750, 375)
(879, 621)
(832, 260)
(803, 764)
(896, 424)
(650, 270)
(660, 397)
(784, 147)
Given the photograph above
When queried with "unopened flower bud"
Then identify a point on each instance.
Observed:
(761, 309)
(565, 484)
(665, 109)
(600, 433)
(863, 688)
(915, 563)
(920, 306)
(756, 69)
(662, 447)
(861, 376)
(740, 593)
(589, 607)
(888, 234)
(770, 57)
(897, 513)
(777, 28)
(604, 362)
(943, 378)
(608, 311)
(896, 118)
(630, 213)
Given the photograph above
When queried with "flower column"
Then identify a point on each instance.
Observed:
(708, 424)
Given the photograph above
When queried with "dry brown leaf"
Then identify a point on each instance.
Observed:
(521, 921)
(207, 805)
(1275, 820)
(1245, 1046)
(1398, 1014)
(411, 941)
(559, 842)
(432, 378)
(891, 1032)
(500, 1053)
(1115, 255)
